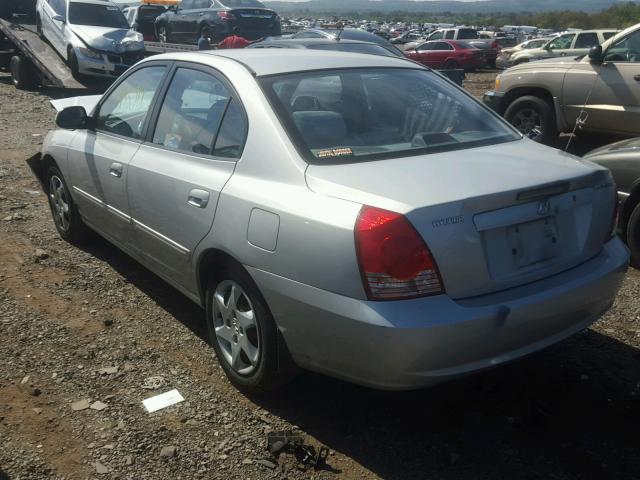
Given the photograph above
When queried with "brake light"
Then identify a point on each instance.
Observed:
(395, 263)
(226, 16)
(495, 45)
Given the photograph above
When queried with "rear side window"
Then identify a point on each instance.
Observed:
(365, 114)
(450, 34)
(191, 112)
(608, 35)
(467, 34)
(587, 40)
(233, 133)
(125, 110)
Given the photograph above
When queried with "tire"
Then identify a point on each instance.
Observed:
(208, 30)
(229, 325)
(72, 62)
(633, 237)
(63, 209)
(39, 28)
(450, 65)
(534, 117)
(162, 34)
(22, 73)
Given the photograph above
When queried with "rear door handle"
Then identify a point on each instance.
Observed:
(116, 170)
(198, 198)
(636, 78)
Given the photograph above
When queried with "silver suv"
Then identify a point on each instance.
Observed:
(599, 92)
(566, 45)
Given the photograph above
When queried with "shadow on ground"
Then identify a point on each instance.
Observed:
(570, 412)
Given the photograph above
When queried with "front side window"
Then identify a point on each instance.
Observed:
(95, 15)
(625, 50)
(192, 112)
(587, 40)
(562, 42)
(353, 115)
(450, 34)
(126, 108)
(437, 36)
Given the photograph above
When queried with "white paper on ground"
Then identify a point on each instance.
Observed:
(163, 400)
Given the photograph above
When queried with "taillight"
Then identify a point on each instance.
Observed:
(495, 45)
(395, 263)
(226, 16)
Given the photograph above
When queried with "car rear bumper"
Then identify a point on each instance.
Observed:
(493, 100)
(416, 343)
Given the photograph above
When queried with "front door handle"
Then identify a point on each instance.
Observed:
(116, 170)
(198, 198)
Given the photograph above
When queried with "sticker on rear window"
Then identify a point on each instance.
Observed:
(334, 152)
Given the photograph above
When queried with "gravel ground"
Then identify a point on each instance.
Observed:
(92, 326)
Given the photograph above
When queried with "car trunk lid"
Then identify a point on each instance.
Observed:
(493, 217)
(254, 18)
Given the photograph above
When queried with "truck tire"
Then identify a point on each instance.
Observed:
(534, 117)
(22, 73)
(633, 237)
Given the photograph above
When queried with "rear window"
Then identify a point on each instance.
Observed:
(369, 48)
(467, 34)
(350, 115)
(242, 3)
(97, 15)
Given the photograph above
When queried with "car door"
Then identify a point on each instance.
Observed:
(99, 158)
(179, 21)
(176, 177)
(584, 42)
(433, 54)
(614, 104)
(54, 30)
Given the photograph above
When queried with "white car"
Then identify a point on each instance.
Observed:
(93, 36)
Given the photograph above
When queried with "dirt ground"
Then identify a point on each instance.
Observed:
(91, 324)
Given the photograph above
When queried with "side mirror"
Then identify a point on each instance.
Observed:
(595, 54)
(73, 118)
(59, 18)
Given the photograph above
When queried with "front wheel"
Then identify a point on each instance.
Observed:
(22, 73)
(244, 334)
(533, 117)
(72, 62)
(633, 237)
(63, 209)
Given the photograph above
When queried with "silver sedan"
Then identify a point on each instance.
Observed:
(350, 214)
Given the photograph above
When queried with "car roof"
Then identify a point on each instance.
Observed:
(274, 61)
(312, 41)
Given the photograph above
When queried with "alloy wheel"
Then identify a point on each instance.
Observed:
(528, 122)
(59, 202)
(236, 328)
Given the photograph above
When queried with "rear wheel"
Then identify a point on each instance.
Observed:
(244, 334)
(163, 36)
(39, 27)
(533, 117)
(63, 209)
(633, 236)
(22, 72)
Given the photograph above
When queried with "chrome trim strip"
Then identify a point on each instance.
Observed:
(623, 194)
(159, 236)
(89, 196)
(109, 208)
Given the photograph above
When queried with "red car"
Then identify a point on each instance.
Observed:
(447, 54)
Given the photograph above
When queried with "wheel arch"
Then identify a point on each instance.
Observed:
(627, 208)
(39, 164)
(536, 91)
(210, 261)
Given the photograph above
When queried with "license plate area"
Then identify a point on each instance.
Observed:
(533, 242)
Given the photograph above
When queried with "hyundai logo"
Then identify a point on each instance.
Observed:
(544, 208)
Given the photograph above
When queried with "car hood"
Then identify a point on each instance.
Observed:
(557, 62)
(117, 40)
(624, 146)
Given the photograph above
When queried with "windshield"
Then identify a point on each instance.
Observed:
(242, 3)
(365, 114)
(370, 48)
(97, 15)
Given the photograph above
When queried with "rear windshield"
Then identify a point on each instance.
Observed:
(467, 34)
(242, 3)
(97, 15)
(370, 48)
(349, 115)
